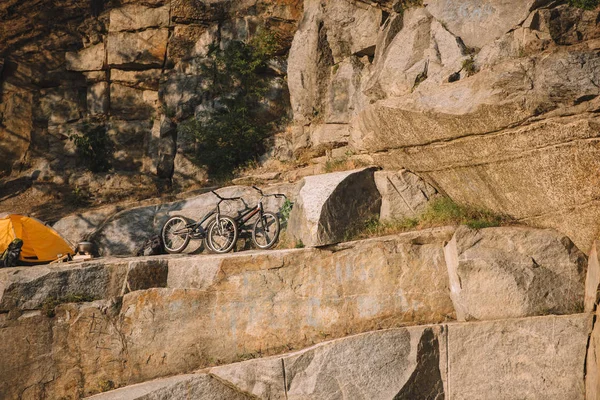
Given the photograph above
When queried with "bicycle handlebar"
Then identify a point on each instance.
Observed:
(278, 195)
(225, 198)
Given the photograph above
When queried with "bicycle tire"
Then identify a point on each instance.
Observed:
(174, 223)
(267, 223)
(226, 229)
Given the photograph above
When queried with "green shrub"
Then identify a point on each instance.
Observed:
(234, 131)
(585, 4)
(285, 211)
(468, 65)
(441, 211)
(94, 148)
(444, 211)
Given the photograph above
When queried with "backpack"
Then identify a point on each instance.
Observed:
(152, 247)
(10, 256)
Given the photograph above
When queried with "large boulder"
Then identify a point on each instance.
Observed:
(352, 28)
(403, 194)
(531, 358)
(137, 49)
(91, 58)
(309, 65)
(479, 22)
(424, 362)
(512, 272)
(181, 387)
(134, 17)
(329, 205)
(23, 289)
(409, 361)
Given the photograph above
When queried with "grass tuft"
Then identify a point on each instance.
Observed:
(440, 212)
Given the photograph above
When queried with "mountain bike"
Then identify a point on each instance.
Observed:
(266, 228)
(218, 232)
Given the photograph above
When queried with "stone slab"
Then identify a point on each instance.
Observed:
(531, 358)
(512, 272)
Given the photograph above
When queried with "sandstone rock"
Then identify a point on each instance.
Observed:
(129, 49)
(448, 149)
(185, 387)
(147, 79)
(343, 90)
(162, 148)
(263, 378)
(124, 232)
(132, 104)
(592, 280)
(27, 361)
(405, 57)
(135, 17)
(410, 361)
(89, 59)
(308, 65)
(511, 272)
(131, 139)
(331, 134)
(592, 377)
(516, 359)
(23, 289)
(352, 28)
(403, 194)
(95, 76)
(199, 10)
(181, 94)
(61, 105)
(481, 22)
(97, 98)
(76, 227)
(328, 205)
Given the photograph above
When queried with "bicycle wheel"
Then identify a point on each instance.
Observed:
(175, 235)
(222, 234)
(266, 231)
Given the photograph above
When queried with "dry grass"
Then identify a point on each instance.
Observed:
(440, 212)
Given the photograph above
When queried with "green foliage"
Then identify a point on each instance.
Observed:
(468, 65)
(444, 211)
(585, 4)
(234, 131)
(49, 305)
(299, 244)
(94, 148)
(285, 211)
(439, 212)
(79, 196)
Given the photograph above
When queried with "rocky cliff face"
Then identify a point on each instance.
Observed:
(493, 102)
(131, 68)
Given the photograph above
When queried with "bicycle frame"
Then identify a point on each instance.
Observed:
(196, 228)
(258, 209)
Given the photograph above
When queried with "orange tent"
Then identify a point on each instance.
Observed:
(41, 244)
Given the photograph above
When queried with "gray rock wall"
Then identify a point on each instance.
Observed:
(509, 359)
(492, 102)
(121, 67)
